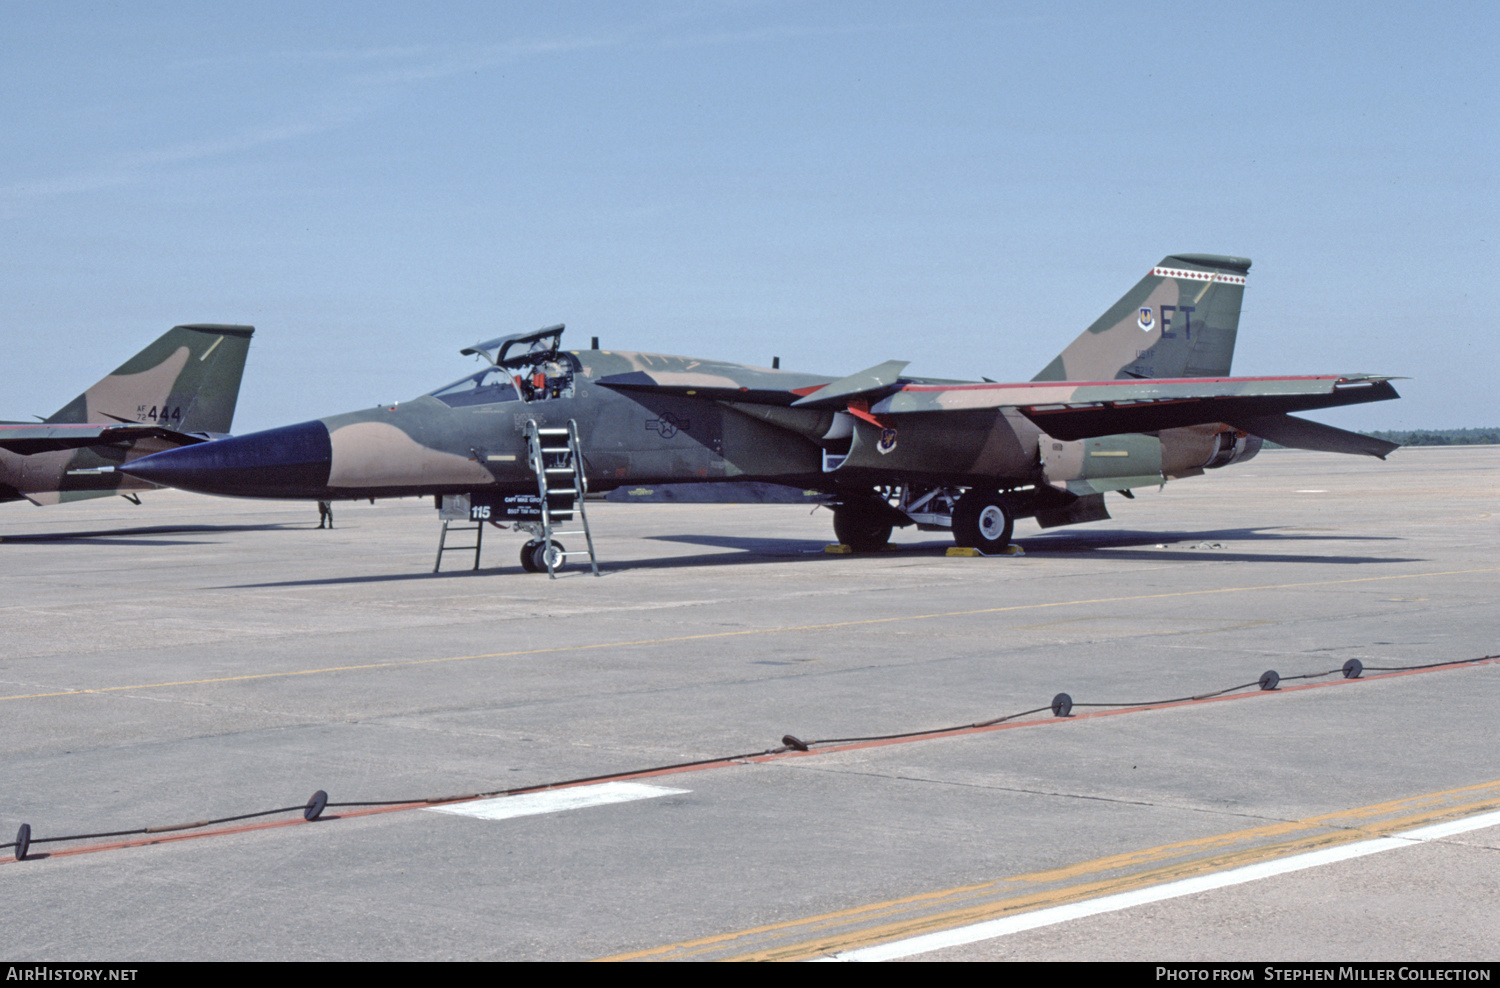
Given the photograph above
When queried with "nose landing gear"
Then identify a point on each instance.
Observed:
(534, 556)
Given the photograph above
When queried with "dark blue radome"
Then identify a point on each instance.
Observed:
(290, 462)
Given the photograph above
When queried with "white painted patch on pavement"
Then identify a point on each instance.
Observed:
(557, 800)
(991, 929)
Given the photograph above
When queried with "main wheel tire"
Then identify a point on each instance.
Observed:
(983, 521)
(539, 557)
(528, 560)
(860, 526)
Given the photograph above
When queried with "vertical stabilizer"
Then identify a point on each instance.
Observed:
(188, 379)
(1178, 321)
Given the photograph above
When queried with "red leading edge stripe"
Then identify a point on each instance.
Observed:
(1117, 383)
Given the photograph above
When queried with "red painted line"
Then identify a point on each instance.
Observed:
(148, 840)
(1040, 720)
(155, 839)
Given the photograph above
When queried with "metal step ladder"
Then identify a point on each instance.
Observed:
(449, 525)
(558, 462)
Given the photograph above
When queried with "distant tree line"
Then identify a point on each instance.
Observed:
(1431, 437)
(1441, 437)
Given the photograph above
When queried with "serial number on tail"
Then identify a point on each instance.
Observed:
(153, 413)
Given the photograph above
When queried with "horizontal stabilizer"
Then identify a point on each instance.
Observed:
(1288, 430)
(43, 499)
(874, 382)
(28, 440)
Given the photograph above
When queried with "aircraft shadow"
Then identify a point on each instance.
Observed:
(127, 543)
(754, 550)
(1128, 537)
(606, 567)
(333, 581)
(761, 551)
(771, 547)
(1214, 544)
(1117, 544)
(133, 536)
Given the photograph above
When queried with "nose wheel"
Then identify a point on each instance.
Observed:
(534, 556)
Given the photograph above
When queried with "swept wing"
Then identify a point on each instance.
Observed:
(1072, 410)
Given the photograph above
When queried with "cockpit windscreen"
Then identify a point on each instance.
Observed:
(491, 385)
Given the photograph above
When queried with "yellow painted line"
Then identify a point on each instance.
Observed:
(405, 663)
(914, 915)
(966, 916)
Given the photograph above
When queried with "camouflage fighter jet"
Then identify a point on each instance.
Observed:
(178, 391)
(1141, 397)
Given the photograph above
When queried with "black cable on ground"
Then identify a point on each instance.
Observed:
(1269, 680)
(167, 828)
(1061, 707)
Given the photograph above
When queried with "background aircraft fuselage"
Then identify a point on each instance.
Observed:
(182, 388)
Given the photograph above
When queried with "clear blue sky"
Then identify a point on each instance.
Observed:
(964, 185)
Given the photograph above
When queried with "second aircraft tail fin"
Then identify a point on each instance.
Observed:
(187, 379)
(1180, 320)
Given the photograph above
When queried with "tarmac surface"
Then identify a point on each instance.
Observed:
(194, 658)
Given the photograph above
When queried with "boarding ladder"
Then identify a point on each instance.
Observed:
(448, 525)
(555, 456)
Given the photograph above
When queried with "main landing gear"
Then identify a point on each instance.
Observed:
(862, 525)
(983, 520)
(978, 518)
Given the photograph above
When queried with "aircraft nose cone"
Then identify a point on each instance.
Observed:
(290, 462)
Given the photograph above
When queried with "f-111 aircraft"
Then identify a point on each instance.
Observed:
(179, 390)
(1142, 396)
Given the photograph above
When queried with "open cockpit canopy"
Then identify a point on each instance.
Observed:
(525, 367)
(521, 350)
